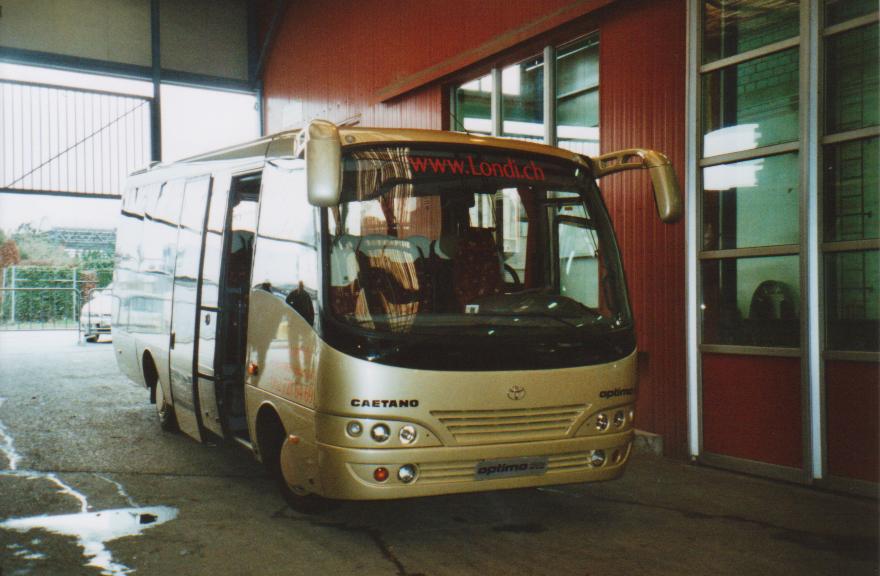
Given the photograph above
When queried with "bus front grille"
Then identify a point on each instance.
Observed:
(516, 425)
(464, 471)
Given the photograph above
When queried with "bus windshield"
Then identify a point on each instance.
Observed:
(479, 247)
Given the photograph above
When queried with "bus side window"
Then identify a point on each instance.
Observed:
(287, 239)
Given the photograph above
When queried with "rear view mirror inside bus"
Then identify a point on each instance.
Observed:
(320, 143)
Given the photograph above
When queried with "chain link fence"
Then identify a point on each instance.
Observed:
(44, 299)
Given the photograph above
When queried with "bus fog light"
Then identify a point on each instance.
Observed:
(354, 429)
(597, 458)
(408, 434)
(407, 473)
(601, 422)
(380, 474)
(380, 433)
(619, 418)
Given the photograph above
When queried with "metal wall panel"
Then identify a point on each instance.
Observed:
(201, 37)
(642, 104)
(333, 60)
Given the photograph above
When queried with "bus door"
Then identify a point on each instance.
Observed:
(185, 316)
(209, 303)
(232, 299)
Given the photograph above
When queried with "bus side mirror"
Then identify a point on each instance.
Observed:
(320, 143)
(666, 191)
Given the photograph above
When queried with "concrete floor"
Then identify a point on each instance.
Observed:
(81, 451)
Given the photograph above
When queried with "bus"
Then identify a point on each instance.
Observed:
(386, 313)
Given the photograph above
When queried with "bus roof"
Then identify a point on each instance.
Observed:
(244, 154)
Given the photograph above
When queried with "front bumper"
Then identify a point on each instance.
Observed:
(95, 328)
(347, 473)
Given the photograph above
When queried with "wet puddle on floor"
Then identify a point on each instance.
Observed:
(92, 529)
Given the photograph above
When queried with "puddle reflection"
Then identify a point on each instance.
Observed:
(92, 530)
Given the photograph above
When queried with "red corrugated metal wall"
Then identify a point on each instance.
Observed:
(642, 104)
(335, 60)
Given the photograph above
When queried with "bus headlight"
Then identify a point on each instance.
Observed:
(406, 473)
(602, 422)
(380, 432)
(408, 434)
(619, 418)
(354, 429)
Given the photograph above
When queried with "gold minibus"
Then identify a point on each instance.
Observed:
(383, 313)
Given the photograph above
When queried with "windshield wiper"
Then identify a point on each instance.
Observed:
(530, 314)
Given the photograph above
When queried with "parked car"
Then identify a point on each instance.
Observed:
(94, 318)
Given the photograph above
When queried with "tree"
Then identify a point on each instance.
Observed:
(35, 249)
(9, 254)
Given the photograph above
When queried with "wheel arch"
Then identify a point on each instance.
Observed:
(266, 427)
(151, 374)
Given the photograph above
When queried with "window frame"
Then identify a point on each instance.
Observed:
(550, 95)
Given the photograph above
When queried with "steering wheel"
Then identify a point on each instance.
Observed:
(516, 281)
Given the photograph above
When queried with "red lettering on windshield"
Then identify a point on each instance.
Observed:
(509, 169)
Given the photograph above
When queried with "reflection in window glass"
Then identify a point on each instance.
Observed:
(577, 96)
(732, 27)
(287, 243)
(852, 200)
(578, 257)
(473, 106)
(750, 105)
(837, 11)
(852, 308)
(851, 79)
(522, 97)
(752, 301)
(751, 203)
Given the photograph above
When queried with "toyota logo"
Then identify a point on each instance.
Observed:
(516, 392)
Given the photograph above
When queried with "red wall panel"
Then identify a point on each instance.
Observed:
(642, 103)
(334, 60)
(752, 408)
(853, 432)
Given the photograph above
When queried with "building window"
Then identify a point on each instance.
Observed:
(750, 161)
(786, 234)
(523, 101)
(850, 197)
(472, 103)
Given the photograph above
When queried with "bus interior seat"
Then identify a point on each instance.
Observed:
(476, 269)
(388, 273)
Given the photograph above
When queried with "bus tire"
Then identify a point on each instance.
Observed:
(92, 338)
(272, 438)
(164, 409)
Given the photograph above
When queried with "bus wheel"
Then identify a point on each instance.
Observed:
(93, 338)
(298, 499)
(167, 420)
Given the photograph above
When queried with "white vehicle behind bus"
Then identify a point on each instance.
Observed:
(95, 316)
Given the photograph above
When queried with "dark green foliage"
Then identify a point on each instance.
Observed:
(50, 295)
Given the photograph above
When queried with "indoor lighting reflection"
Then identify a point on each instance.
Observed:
(731, 139)
(730, 176)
